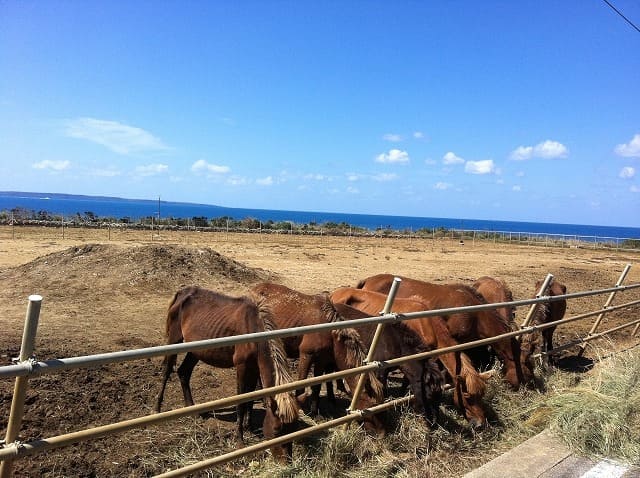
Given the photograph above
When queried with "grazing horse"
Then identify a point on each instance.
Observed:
(464, 326)
(425, 378)
(324, 351)
(494, 291)
(197, 314)
(469, 385)
(546, 312)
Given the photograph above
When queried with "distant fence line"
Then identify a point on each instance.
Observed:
(337, 230)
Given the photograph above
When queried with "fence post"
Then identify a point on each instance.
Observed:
(374, 341)
(22, 383)
(543, 289)
(600, 316)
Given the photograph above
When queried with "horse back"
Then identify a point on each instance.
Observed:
(203, 314)
(291, 308)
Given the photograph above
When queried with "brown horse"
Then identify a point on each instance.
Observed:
(197, 314)
(424, 377)
(464, 326)
(494, 291)
(546, 312)
(469, 385)
(324, 351)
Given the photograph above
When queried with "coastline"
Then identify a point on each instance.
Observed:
(77, 209)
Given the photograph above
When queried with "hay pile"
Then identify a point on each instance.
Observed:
(601, 416)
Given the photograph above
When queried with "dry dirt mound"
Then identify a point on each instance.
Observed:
(131, 269)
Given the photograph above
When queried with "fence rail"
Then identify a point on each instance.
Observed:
(29, 367)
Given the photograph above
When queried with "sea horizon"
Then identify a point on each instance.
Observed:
(136, 209)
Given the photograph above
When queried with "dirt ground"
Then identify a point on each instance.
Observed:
(108, 290)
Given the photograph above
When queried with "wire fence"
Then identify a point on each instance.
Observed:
(68, 229)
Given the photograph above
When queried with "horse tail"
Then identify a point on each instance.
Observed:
(286, 403)
(356, 351)
(173, 332)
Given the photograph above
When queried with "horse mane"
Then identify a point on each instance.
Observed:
(477, 295)
(356, 350)
(540, 316)
(475, 385)
(410, 337)
(287, 407)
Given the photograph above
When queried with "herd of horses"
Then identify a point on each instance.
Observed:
(196, 313)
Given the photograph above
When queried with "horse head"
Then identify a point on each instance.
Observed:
(469, 388)
(278, 421)
(348, 351)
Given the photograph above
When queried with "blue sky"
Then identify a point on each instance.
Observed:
(526, 110)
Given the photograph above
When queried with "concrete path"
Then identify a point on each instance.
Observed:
(544, 456)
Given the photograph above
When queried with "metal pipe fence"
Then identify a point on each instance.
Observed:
(29, 367)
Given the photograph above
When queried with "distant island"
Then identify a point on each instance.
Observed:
(19, 194)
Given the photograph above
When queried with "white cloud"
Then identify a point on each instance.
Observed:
(118, 137)
(442, 186)
(485, 166)
(418, 134)
(353, 177)
(393, 156)
(630, 149)
(634, 189)
(547, 150)
(202, 166)
(317, 177)
(385, 177)
(550, 150)
(352, 190)
(237, 181)
(394, 138)
(627, 172)
(516, 188)
(521, 153)
(451, 158)
(151, 169)
(268, 181)
(54, 165)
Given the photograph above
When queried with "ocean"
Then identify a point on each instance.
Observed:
(135, 209)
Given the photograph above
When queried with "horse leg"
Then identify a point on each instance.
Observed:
(246, 380)
(304, 365)
(413, 372)
(547, 337)
(331, 397)
(184, 374)
(169, 362)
